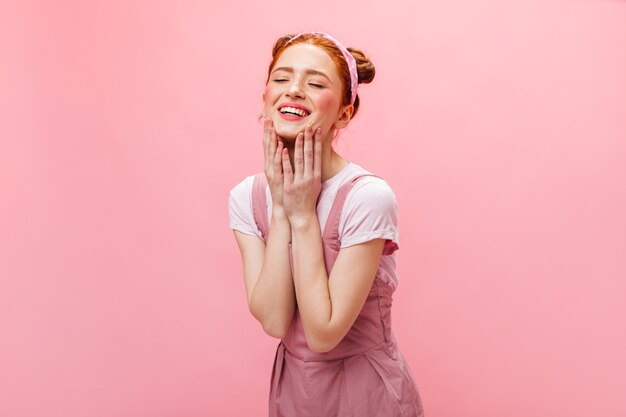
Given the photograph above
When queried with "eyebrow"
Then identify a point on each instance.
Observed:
(308, 71)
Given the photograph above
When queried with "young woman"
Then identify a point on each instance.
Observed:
(318, 236)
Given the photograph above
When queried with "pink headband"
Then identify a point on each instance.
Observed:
(354, 76)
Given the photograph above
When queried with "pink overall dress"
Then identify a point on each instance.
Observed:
(365, 375)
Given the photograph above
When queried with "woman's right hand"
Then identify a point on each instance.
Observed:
(273, 146)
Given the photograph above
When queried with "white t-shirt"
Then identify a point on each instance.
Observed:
(370, 211)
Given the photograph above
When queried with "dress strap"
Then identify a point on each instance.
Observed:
(331, 229)
(259, 203)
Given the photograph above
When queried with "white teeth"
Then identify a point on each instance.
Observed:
(293, 110)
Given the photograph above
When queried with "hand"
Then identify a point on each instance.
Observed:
(273, 147)
(302, 184)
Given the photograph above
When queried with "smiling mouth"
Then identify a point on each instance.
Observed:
(286, 110)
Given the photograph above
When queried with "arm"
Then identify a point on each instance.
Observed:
(267, 269)
(330, 305)
(267, 275)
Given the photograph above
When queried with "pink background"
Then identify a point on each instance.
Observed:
(123, 125)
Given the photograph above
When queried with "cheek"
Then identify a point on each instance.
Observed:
(269, 93)
(326, 101)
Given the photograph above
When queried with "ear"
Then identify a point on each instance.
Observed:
(344, 116)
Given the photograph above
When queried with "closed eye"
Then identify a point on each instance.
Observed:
(315, 85)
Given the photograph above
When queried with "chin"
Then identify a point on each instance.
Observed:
(287, 134)
(290, 130)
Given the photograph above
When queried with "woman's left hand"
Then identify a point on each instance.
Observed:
(302, 183)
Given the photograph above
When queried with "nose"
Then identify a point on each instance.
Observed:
(295, 90)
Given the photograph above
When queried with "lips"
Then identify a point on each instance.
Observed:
(294, 105)
(289, 116)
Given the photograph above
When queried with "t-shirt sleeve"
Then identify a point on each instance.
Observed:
(370, 212)
(241, 217)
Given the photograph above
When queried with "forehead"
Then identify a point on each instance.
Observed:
(305, 56)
